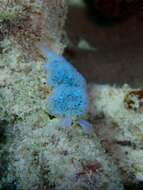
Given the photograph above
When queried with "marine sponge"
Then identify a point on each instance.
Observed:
(60, 71)
(68, 101)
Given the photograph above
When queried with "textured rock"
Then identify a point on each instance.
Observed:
(29, 22)
(120, 128)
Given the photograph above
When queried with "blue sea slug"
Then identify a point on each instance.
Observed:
(60, 71)
(69, 97)
(68, 101)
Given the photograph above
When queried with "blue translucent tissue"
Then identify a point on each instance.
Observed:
(68, 101)
(60, 71)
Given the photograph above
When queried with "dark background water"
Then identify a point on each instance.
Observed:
(117, 39)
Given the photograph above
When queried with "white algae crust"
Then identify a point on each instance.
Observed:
(37, 153)
(119, 128)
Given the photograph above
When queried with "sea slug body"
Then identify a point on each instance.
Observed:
(68, 101)
(63, 73)
(69, 97)
(60, 71)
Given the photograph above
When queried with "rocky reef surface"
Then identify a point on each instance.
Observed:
(119, 122)
(46, 139)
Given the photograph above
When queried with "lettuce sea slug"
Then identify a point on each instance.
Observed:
(60, 71)
(69, 99)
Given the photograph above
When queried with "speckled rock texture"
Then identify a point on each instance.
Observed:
(119, 125)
